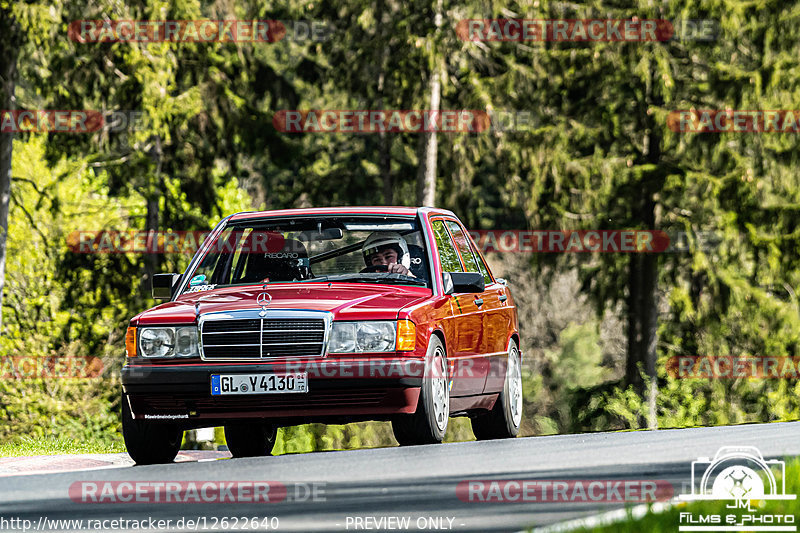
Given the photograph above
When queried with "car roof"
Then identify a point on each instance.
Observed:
(355, 210)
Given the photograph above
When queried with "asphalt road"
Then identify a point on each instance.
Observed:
(418, 483)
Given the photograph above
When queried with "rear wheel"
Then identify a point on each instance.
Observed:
(149, 442)
(251, 440)
(503, 421)
(429, 423)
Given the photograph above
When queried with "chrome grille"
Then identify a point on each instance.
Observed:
(279, 333)
(224, 326)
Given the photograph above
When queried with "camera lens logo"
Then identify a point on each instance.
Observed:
(736, 473)
(738, 482)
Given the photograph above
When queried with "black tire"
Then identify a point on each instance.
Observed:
(253, 439)
(503, 421)
(402, 433)
(428, 424)
(147, 442)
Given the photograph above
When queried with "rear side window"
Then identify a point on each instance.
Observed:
(463, 246)
(447, 253)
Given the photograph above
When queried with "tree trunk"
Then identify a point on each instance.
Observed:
(426, 172)
(386, 170)
(649, 332)
(642, 327)
(643, 275)
(151, 227)
(634, 356)
(151, 221)
(385, 162)
(10, 40)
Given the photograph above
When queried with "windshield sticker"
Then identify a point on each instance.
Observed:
(199, 279)
(200, 288)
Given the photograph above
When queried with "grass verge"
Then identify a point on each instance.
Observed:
(24, 446)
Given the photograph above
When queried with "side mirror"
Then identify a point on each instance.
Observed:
(466, 282)
(164, 286)
(447, 282)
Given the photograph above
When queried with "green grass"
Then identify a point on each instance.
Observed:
(669, 520)
(53, 445)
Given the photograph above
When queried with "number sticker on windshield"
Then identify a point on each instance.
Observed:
(200, 288)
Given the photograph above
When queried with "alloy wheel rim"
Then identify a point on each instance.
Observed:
(441, 396)
(514, 382)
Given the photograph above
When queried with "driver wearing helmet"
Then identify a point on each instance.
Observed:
(387, 248)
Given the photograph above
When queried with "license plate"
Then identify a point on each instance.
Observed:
(222, 384)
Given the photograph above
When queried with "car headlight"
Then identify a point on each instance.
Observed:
(370, 336)
(169, 342)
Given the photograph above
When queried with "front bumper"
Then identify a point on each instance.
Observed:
(339, 390)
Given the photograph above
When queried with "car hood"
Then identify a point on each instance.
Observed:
(347, 301)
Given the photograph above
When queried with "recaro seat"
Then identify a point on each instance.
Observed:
(288, 264)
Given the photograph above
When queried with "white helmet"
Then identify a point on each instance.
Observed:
(386, 239)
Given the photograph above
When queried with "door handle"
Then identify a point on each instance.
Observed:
(479, 302)
(503, 298)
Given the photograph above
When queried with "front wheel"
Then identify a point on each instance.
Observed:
(251, 440)
(429, 423)
(149, 442)
(503, 421)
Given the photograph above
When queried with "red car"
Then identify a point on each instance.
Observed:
(324, 315)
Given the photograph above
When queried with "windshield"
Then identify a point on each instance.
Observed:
(301, 250)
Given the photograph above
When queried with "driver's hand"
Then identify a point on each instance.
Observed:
(397, 268)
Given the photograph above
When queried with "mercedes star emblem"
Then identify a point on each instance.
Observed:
(263, 299)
